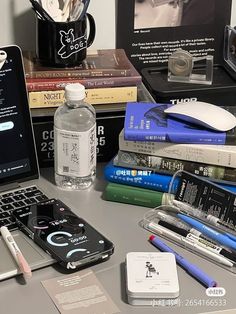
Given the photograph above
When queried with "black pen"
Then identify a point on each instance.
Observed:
(40, 11)
(211, 246)
(38, 14)
(86, 4)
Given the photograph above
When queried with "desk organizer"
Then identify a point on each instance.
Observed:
(200, 218)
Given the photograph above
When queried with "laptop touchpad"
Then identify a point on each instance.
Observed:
(34, 255)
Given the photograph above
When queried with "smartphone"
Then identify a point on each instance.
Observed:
(68, 238)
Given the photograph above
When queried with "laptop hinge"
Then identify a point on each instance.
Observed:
(10, 186)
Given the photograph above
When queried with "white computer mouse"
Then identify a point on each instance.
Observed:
(204, 114)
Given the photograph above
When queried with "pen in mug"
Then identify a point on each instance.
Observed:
(193, 243)
(192, 269)
(16, 253)
(66, 10)
(76, 9)
(40, 10)
(86, 4)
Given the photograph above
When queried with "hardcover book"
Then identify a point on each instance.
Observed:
(140, 178)
(147, 179)
(42, 99)
(148, 122)
(136, 196)
(103, 62)
(220, 155)
(51, 84)
(39, 84)
(165, 165)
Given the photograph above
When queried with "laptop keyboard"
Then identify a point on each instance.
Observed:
(16, 199)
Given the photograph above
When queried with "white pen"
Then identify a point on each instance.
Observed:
(210, 218)
(173, 220)
(16, 253)
(66, 10)
(191, 244)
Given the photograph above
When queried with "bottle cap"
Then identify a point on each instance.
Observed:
(74, 91)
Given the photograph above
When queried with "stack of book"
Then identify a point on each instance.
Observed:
(110, 81)
(152, 147)
(108, 77)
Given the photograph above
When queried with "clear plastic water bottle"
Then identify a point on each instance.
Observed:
(75, 140)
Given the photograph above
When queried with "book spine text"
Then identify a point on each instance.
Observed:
(146, 179)
(34, 85)
(78, 73)
(167, 165)
(209, 154)
(93, 96)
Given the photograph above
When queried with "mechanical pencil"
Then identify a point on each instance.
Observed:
(16, 253)
(172, 220)
(191, 243)
(175, 221)
(210, 218)
(209, 245)
(192, 269)
(209, 232)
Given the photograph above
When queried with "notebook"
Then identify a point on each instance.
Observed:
(19, 172)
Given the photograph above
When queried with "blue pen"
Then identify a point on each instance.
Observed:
(192, 269)
(231, 236)
(86, 4)
(211, 233)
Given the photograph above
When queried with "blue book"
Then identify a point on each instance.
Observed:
(148, 122)
(139, 178)
(145, 179)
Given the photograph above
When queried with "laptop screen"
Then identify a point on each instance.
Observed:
(18, 161)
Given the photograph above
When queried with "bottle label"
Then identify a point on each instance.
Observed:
(75, 152)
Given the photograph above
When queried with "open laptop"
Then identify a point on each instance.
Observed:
(18, 161)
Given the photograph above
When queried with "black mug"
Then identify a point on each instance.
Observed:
(64, 44)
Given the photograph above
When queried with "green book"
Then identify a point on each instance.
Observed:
(135, 196)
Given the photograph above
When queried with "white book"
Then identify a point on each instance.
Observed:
(220, 155)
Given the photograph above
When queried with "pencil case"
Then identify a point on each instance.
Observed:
(181, 235)
(199, 219)
(209, 202)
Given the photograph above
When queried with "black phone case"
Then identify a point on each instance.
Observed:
(68, 238)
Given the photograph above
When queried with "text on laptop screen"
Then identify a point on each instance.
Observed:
(17, 154)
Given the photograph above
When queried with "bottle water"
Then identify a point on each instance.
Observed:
(75, 140)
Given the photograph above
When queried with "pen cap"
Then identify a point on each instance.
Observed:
(64, 44)
(202, 277)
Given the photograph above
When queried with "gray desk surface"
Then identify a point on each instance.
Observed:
(119, 222)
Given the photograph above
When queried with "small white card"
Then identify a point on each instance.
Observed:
(81, 293)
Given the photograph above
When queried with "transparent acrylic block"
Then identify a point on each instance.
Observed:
(185, 68)
(230, 46)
